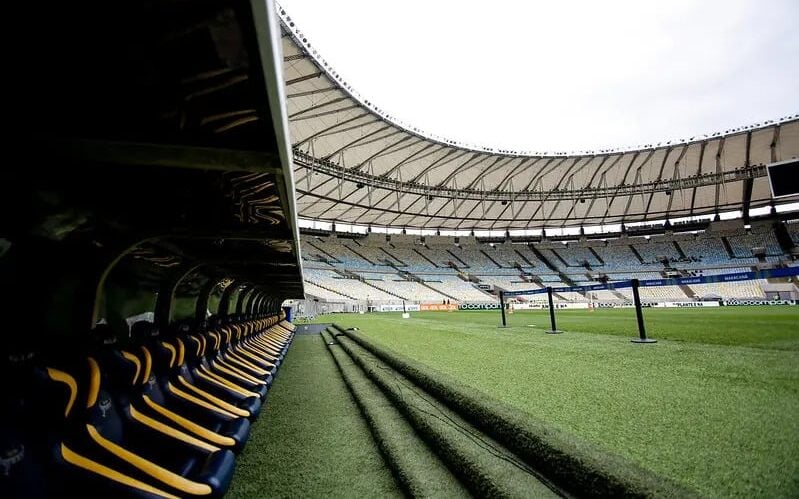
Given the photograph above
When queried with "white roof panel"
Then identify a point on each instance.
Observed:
(354, 164)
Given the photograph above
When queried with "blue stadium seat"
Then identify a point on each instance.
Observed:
(141, 384)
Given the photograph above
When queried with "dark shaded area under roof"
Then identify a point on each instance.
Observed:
(149, 155)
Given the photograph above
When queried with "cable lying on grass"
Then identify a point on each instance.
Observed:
(574, 465)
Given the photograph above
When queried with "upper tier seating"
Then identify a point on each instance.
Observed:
(474, 259)
(573, 256)
(511, 255)
(793, 231)
(621, 258)
(742, 244)
(440, 256)
(704, 251)
(376, 255)
(411, 260)
(654, 250)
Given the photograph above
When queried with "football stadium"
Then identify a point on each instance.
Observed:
(231, 273)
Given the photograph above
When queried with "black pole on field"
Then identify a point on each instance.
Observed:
(639, 314)
(502, 308)
(554, 329)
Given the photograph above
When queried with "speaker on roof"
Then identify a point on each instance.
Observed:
(784, 178)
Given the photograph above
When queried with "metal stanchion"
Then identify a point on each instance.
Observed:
(502, 308)
(554, 329)
(640, 316)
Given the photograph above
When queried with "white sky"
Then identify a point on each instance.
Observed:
(563, 75)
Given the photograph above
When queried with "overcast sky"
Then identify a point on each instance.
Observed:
(563, 75)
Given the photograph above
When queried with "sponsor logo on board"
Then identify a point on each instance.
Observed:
(438, 307)
(478, 306)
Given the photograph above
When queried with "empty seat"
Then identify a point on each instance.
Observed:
(40, 458)
(178, 460)
(150, 392)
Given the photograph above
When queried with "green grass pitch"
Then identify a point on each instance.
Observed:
(714, 404)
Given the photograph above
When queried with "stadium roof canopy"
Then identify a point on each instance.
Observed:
(355, 164)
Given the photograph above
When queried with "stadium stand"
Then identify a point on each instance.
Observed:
(743, 244)
(607, 296)
(474, 259)
(455, 287)
(618, 255)
(412, 260)
(350, 287)
(508, 255)
(432, 269)
(508, 283)
(408, 290)
(441, 256)
(793, 230)
(657, 249)
(376, 255)
(658, 293)
(704, 251)
(572, 256)
(743, 289)
(527, 254)
(317, 291)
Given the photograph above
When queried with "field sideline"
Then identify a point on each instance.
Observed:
(715, 404)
